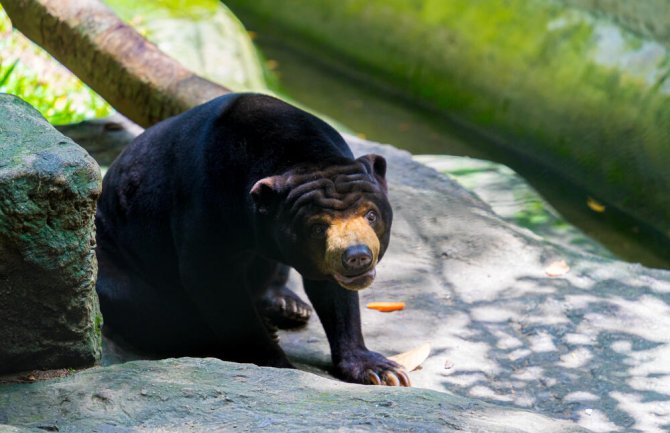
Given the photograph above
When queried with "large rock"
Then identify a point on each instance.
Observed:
(197, 395)
(49, 316)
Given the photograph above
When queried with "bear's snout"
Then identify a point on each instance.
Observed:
(356, 259)
(352, 250)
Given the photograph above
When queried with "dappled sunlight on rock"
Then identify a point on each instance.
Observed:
(483, 391)
(466, 379)
(505, 341)
(576, 359)
(464, 349)
(647, 415)
(541, 342)
(490, 313)
(518, 354)
(580, 396)
(658, 369)
(579, 339)
(528, 373)
(596, 420)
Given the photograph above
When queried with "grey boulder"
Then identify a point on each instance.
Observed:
(49, 314)
(197, 395)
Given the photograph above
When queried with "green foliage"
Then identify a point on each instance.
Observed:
(193, 10)
(30, 73)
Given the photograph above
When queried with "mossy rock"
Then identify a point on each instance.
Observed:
(49, 315)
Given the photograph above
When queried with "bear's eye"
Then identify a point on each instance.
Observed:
(318, 231)
(372, 217)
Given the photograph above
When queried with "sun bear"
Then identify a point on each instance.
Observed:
(199, 214)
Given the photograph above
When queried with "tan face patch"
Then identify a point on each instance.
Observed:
(346, 232)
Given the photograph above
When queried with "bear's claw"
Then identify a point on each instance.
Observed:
(371, 368)
(373, 377)
(389, 378)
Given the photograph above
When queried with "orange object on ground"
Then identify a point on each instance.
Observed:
(386, 306)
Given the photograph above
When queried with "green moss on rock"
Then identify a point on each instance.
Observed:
(48, 190)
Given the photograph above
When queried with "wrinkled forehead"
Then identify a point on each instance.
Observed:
(334, 190)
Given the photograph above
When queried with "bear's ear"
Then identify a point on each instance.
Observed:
(378, 165)
(264, 193)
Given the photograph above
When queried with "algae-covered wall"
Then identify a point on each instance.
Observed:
(586, 92)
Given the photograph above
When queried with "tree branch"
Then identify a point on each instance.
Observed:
(132, 74)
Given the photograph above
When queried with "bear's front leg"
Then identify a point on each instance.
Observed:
(339, 312)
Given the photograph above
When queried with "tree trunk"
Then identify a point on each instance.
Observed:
(132, 74)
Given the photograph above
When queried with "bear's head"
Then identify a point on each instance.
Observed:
(328, 221)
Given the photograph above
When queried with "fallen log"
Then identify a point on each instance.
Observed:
(128, 71)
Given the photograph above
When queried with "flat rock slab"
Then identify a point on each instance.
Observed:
(197, 395)
(49, 315)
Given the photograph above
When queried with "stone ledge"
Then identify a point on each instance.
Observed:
(195, 395)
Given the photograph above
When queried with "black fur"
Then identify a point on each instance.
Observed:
(185, 249)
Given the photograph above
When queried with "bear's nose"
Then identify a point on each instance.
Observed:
(357, 258)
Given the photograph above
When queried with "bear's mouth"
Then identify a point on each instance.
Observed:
(356, 282)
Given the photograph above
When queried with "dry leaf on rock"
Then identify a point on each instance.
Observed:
(411, 359)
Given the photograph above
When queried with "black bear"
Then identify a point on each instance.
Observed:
(198, 214)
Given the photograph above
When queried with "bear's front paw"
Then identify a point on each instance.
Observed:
(371, 368)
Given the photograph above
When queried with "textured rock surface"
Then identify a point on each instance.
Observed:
(592, 345)
(196, 395)
(49, 315)
(104, 138)
(13, 429)
(513, 199)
